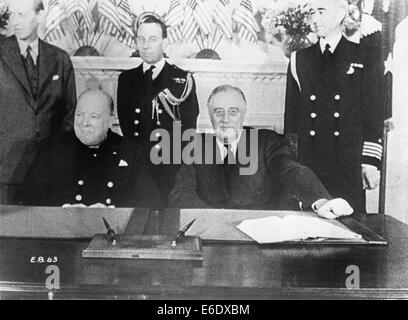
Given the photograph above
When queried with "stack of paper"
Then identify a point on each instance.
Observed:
(275, 229)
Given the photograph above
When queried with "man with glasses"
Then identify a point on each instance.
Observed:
(37, 94)
(244, 168)
(156, 95)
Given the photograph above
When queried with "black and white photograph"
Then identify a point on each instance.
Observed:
(170, 151)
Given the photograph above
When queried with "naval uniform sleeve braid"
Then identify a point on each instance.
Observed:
(373, 106)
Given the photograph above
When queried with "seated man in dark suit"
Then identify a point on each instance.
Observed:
(91, 167)
(268, 179)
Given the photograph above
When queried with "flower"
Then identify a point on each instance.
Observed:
(295, 19)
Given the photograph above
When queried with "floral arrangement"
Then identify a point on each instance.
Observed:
(4, 14)
(295, 19)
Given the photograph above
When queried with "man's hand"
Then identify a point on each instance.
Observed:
(332, 209)
(371, 177)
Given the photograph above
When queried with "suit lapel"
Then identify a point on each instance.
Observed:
(47, 61)
(12, 57)
(310, 67)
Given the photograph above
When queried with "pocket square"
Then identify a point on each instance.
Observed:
(350, 70)
(55, 77)
(123, 163)
(179, 80)
(353, 67)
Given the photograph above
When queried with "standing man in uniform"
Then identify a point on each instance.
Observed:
(334, 104)
(37, 94)
(156, 95)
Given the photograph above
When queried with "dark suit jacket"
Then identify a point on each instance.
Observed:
(135, 112)
(279, 183)
(336, 114)
(25, 120)
(65, 169)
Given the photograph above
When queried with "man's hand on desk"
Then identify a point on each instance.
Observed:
(332, 209)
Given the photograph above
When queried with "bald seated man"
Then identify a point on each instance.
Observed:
(92, 166)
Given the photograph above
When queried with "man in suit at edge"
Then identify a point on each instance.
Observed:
(156, 95)
(221, 183)
(334, 105)
(37, 94)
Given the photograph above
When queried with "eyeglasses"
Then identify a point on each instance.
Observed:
(220, 113)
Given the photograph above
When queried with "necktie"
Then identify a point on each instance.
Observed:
(149, 82)
(31, 71)
(229, 167)
(326, 58)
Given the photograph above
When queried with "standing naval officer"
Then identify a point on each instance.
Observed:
(37, 94)
(156, 95)
(334, 104)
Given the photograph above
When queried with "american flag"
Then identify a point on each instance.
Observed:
(244, 17)
(190, 27)
(79, 13)
(128, 34)
(203, 16)
(55, 15)
(174, 20)
(109, 18)
(222, 18)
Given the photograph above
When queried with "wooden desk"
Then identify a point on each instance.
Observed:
(228, 271)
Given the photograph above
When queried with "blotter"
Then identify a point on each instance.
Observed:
(144, 247)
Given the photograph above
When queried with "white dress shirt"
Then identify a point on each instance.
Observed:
(333, 41)
(158, 67)
(34, 49)
(234, 146)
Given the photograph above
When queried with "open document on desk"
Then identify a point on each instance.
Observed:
(290, 228)
(276, 227)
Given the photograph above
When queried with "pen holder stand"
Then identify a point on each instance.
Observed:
(144, 247)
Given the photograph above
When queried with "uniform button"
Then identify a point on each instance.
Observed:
(312, 133)
(108, 201)
(336, 114)
(158, 123)
(160, 111)
(95, 155)
(81, 182)
(137, 110)
(110, 184)
(136, 122)
(136, 134)
(336, 133)
(313, 115)
(337, 97)
(313, 97)
(78, 197)
(157, 147)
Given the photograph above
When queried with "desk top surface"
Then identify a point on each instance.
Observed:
(229, 271)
